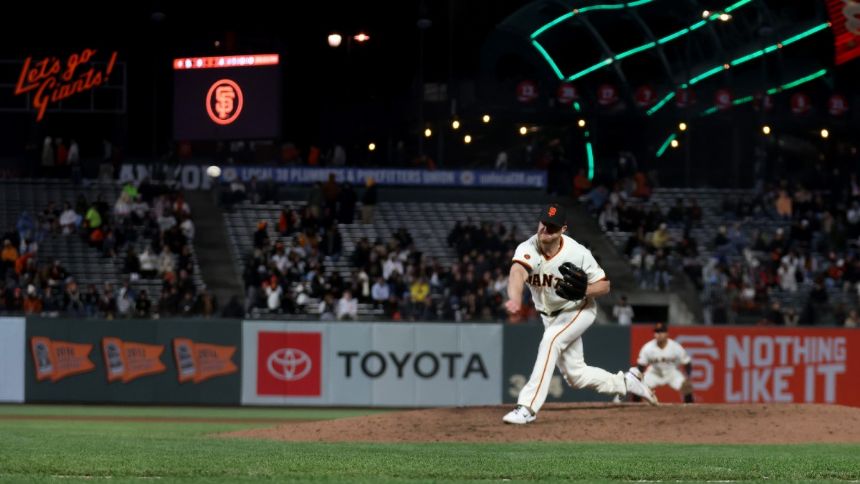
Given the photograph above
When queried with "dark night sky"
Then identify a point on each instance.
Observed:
(317, 79)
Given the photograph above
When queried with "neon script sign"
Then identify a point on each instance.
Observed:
(54, 80)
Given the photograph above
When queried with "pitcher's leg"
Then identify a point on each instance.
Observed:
(556, 337)
(579, 375)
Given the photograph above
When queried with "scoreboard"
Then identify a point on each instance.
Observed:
(226, 97)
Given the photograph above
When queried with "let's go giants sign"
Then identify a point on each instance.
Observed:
(768, 365)
(52, 79)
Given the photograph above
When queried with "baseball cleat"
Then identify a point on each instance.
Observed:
(520, 415)
(636, 387)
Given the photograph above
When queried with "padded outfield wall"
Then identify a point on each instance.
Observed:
(232, 362)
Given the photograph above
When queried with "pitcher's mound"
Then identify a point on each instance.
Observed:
(594, 422)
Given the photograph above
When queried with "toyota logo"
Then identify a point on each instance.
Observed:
(289, 364)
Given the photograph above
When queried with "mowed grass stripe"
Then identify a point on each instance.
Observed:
(178, 452)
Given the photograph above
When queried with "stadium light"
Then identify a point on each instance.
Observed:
(428, 132)
(682, 126)
(361, 37)
(455, 124)
(725, 17)
(334, 40)
(467, 139)
(674, 143)
(581, 123)
(765, 129)
(523, 130)
(486, 118)
(824, 133)
(371, 147)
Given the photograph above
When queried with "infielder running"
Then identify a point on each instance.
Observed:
(564, 279)
(661, 356)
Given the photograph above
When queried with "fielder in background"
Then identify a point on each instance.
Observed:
(564, 279)
(662, 356)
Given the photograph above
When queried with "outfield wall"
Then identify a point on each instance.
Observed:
(166, 361)
(12, 339)
(231, 362)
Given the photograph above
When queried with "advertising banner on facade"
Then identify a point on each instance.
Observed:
(371, 364)
(143, 361)
(605, 347)
(12, 347)
(765, 364)
(194, 177)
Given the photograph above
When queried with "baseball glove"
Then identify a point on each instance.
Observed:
(574, 284)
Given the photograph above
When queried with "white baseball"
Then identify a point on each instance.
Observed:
(213, 171)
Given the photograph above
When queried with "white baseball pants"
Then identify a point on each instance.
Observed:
(654, 379)
(562, 346)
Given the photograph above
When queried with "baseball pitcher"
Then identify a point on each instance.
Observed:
(563, 279)
(661, 356)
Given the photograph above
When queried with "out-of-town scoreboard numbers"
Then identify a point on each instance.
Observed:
(227, 97)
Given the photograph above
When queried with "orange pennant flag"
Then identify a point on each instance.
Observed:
(56, 360)
(128, 360)
(199, 362)
(142, 360)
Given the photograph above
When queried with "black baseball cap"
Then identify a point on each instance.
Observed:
(661, 328)
(554, 214)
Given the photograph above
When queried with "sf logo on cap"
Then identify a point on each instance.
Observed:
(552, 211)
(224, 102)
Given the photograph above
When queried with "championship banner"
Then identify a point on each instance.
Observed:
(197, 362)
(56, 360)
(845, 23)
(128, 360)
(765, 364)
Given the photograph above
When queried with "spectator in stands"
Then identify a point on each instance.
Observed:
(143, 305)
(53, 301)
(380, 292)
(332, 243)
(419, 293)
(125, 301)
(346, 200)
(8, 256)
(26, 226)
(91, 301)
(783, 205)
(316, 199)
(623, 312)
(48, 158)
(347, 307)
(69, 220)
(187, 306)
(327, 307)
(168, 302)
(581, 183)
(32, 303)
(661, 238)
(330, 192)
(148, 263)
(93, 218)
(206, 304)
(166, 262)
(273, 291)
(852, 320)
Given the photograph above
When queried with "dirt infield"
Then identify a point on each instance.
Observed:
(152, 419)
(715, 424)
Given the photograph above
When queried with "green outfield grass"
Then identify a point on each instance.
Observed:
(81, 450)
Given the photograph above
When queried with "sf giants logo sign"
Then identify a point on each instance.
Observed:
(766, 365)
(224, 102)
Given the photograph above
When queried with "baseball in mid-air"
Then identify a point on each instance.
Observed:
(214, 171)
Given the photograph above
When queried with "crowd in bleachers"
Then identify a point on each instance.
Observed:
(786, 253)
(148, 228)
(287, 270)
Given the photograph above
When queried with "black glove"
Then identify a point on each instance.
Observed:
(574, 284)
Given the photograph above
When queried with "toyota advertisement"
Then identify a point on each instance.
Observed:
(765, 364)
(373, 364)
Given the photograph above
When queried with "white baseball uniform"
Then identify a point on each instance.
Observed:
(564, 323)
(663, 364)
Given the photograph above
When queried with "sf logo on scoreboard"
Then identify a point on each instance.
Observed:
(224, 102)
